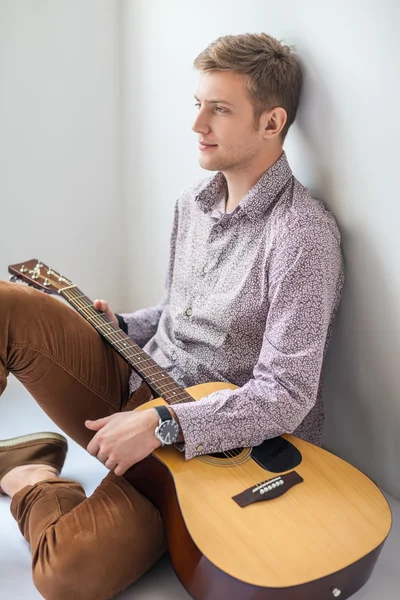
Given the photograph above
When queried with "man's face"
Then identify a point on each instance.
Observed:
(228, 139)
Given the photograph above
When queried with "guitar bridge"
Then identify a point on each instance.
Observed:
(267, 490)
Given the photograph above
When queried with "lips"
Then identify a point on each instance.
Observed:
(204, 146)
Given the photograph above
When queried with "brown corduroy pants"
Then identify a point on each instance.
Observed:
(82, 548)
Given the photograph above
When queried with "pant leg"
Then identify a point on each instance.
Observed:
(88, 549)
(97, 545)
(67, 367)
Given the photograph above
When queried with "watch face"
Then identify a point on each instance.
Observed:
(169, 432)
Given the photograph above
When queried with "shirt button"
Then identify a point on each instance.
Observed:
(218, 228)
(174, 356)
(204, 270)
(188, 312)
(200, 448)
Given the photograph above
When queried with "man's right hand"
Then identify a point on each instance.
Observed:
(103, 306)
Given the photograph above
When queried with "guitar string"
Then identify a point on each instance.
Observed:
(116, 333)
(99, 318)
(85, 308)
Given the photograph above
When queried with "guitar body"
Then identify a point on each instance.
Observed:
(283, 521)
(318, 541)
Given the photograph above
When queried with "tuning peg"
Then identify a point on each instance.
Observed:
(13, 278)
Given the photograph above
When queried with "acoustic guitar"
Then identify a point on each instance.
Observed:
(285, 520)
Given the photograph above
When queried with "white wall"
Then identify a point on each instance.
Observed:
(60, 167)
(343, 147)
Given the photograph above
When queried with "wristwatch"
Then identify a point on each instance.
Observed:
(168, 429)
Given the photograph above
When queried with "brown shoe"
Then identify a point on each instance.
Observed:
(35, 449)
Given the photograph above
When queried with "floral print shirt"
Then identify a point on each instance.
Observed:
(251, 299)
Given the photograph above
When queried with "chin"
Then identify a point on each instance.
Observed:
(208, 165)
(208, 168)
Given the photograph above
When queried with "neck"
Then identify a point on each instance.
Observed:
(159, 380)
(241, 179)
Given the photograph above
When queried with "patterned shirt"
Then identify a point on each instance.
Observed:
(251, 299)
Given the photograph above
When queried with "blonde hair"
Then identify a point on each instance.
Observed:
(272, 71)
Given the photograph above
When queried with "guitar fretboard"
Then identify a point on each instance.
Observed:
(158, 379)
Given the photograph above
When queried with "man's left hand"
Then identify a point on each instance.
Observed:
(123, 439)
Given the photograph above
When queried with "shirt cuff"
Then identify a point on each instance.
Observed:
(122, 323)
(199, 434)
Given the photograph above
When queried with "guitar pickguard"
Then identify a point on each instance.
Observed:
(276, 455)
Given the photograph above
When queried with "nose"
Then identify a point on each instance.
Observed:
(200, 124)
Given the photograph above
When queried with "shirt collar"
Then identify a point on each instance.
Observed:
(257, 199)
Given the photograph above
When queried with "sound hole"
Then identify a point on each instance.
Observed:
(228, 454)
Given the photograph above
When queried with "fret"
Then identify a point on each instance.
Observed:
(79, 297)
(106, 325)
(142, 363)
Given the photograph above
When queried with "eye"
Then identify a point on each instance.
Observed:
(197, 105)
(220, 109)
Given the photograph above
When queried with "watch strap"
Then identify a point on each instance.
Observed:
(163, 413)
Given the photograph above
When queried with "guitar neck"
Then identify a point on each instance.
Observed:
(158, 379)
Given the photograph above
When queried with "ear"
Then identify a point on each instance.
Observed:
(273, 121)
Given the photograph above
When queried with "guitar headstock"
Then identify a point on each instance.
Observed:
(38, 275)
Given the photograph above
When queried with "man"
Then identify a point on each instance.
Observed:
(254, 282)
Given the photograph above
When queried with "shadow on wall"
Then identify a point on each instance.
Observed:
(361, 370)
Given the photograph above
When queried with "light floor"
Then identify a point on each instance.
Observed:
(20, 415)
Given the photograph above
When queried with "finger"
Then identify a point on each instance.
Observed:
(93, 446)
(98, 424)
(104, 307)
(120, 469)
(102, 457)
(100, 304)
(110, 464)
